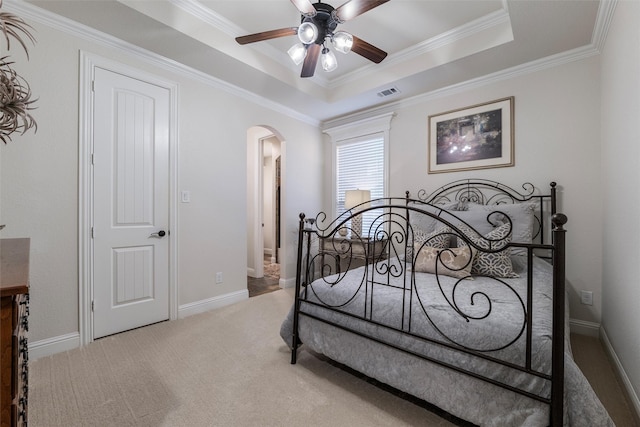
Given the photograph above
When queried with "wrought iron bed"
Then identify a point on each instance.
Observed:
(460, 302)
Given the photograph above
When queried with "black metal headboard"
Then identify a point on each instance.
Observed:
(486, 192)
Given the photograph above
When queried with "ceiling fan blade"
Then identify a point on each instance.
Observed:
(305, 7)
(311, 60)
(266, 35)
(367, 50)
(354, 8)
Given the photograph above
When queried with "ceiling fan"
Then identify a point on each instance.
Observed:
(317, 26)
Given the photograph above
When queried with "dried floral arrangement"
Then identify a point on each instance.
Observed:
(15, 94)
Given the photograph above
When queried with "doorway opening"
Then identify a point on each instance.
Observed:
(269, 282)
(264, 211)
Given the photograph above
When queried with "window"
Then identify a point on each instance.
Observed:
(360, 161)
(360, 166)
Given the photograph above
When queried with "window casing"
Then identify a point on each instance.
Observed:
(360, 152)
(360, 166)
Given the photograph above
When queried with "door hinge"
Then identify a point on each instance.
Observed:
(92, 159)
(92, 232)
(93, 85)
(92, 306)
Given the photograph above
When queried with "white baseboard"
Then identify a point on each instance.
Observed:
(582, 327)
(287, 283)
(631, 393)
(212, 303)
(49, 346)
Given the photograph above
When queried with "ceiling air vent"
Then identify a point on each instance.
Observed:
(388, 92)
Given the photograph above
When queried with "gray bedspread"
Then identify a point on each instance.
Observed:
(484, 315)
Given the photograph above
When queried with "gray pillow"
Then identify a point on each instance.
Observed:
(522, 218)
(423, 222)
(428, 224)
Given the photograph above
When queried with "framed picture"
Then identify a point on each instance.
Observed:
(476, 137)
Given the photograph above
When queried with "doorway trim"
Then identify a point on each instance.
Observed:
(258, 220)
(88, 63)
(255, 244)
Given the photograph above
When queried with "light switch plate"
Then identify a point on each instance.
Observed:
(586, 297)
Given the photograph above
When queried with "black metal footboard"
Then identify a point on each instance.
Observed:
(459, 278)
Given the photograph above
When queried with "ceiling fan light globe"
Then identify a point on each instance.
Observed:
(307, 32)
(342, 41)
(297, 52)
(328, 60)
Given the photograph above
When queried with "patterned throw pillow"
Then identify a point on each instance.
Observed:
(439, 238)
(454, 262)
(494, 264)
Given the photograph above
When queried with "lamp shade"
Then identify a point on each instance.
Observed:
(297, 53)
(307, 32)
(328, 60)
(342, 41)
(354, 198)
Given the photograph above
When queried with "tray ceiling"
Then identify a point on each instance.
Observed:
(431, 43)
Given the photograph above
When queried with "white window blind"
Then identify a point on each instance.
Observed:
(360, 166)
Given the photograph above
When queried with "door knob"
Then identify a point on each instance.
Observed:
(160, 233)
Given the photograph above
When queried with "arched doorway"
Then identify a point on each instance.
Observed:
(264, 201)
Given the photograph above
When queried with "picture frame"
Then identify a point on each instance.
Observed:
(477, 137)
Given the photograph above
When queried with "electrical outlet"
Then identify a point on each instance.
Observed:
(586, 297)
(219, 277)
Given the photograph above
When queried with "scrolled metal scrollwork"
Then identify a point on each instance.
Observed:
(477, 295)
(477, 191)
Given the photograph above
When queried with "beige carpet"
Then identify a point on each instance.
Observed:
(228, 367)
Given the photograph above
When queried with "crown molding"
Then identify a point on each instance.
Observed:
(510, 73)
(210, 17)
(603, 21)
(68, 26)
(606, 8)
(207, 15)
(491, 20)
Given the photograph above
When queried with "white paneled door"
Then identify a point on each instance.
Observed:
(130, 203)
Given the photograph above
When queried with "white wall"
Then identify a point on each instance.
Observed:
(621, 175)
(557, 138)
(39, 180)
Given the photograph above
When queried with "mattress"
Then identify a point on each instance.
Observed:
(438, 316)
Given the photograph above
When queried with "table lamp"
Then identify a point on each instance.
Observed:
(358, 199)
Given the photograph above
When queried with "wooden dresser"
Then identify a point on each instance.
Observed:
(14, 297)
